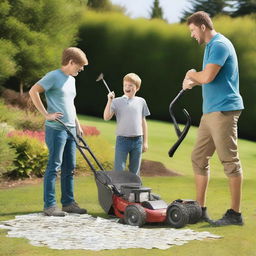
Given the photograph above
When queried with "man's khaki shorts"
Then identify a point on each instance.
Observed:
(217, 131)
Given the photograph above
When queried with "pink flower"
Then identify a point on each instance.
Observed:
(39, 135)
(90, 130)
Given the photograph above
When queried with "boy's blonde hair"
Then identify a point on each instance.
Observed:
(75, 54)
(133, 78)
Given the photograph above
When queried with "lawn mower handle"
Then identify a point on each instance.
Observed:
(181, 134)
(83, 146)
(100, 175)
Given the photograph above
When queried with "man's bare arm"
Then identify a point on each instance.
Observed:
(205, 76)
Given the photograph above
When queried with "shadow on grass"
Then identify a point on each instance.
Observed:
(101, 215)
(207, 225)
(146, 225)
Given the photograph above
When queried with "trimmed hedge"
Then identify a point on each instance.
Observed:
(160, 54)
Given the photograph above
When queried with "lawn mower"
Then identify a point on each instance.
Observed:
(120, 193)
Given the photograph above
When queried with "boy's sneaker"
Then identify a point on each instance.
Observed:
(204, 217)
(54, 211)
(74, 208)
(229, 218)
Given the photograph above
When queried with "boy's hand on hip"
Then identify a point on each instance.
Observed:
(53, 116)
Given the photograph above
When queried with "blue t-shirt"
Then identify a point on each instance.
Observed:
(60, 92)
(222, 94)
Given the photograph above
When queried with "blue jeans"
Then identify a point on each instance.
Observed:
(131, 146)
(62, 155)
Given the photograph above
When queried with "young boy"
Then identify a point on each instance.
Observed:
(60, 91)
(132, 134)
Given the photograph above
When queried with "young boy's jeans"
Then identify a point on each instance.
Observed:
(62, 155)
(131, 146)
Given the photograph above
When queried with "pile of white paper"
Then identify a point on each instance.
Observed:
(88, 233)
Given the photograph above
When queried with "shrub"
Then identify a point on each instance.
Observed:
(19, 119)
(8, 115)
(101, 149)
(5, 128)
(31, 154)
(30, 121)
(7, 154)
(16, 99)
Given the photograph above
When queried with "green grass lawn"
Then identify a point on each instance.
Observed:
(238, 241)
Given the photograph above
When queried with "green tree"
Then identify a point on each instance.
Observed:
(244, 7)
(98, 4)
(156, 11)
(104, 5)
(7, 49)
(38, 30)
(212, 7)
(8, 65)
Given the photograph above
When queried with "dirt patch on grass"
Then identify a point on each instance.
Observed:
(17, 183)
(153, 168)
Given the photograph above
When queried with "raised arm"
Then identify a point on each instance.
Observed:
(108, 114)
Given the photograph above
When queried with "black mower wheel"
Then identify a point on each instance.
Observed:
(177, 215)
(194, 210)
(135, 215)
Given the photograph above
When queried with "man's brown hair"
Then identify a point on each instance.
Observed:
(200, 18)
(75, 54)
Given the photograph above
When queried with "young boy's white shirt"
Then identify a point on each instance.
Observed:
(129, 113)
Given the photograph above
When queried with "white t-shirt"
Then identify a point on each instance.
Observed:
(129, 113)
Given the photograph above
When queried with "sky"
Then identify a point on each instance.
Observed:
(172, 9)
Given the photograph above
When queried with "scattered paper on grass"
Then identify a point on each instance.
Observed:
(88, 233)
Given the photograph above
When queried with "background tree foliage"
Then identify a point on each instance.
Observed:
(7, 48)
(38, 31)
(156, 11)
(234, 8)
(212, 7)
(98, 4)
(8, 65)
(244, 7)
(104, 5)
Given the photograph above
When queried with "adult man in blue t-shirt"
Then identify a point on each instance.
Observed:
(60, 91)
(222, 106)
